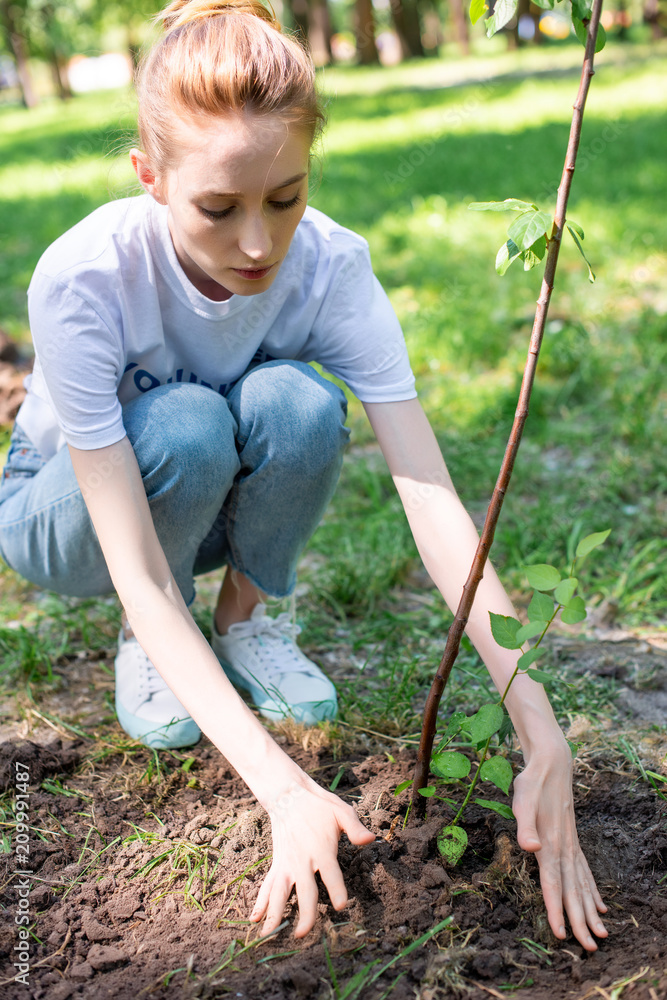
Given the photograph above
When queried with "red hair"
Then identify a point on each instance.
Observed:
(221, 57)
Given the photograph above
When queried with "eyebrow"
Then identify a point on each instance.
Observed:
(237, 194)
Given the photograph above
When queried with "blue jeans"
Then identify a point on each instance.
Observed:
(239, 480)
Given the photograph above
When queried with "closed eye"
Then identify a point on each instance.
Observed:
(282, 205)
(279, 206)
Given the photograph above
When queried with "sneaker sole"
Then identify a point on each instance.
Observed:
(183, 733)
(308, 712)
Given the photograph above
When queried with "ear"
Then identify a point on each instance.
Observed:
(149, 180)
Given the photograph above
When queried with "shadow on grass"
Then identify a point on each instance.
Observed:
(618, 164)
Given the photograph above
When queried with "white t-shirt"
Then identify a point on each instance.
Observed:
(113, 315)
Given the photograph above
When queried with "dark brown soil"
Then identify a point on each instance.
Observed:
(106, 926)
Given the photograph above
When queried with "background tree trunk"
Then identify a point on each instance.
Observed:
(655, 14)
(460, 25)
(17, 44)
(405, 16)
(300, 15)
(319, 32)
(364, 30)
(59, 75)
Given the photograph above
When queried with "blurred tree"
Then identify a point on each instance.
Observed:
(133, 15)
(313, 22)
(364, 31)
(405, 15)
(655, 14)
(55, 36)
(460, 24)
(13, 17)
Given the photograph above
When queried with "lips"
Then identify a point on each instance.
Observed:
(252, 273)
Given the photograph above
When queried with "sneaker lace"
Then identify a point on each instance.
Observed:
(149, 680)
(277, 637)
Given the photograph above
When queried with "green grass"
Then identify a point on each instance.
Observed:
(406, 151)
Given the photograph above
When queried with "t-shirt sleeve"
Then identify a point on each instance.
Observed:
(359, 338)
(80, 359)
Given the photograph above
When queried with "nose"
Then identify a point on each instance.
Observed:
(255, 237)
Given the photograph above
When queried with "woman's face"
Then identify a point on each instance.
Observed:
(236, 194)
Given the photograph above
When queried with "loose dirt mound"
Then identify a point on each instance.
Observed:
(139, 873)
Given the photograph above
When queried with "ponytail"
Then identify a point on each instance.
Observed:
(217, 57)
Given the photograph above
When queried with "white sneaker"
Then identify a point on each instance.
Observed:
(146, 707)
(261, 657)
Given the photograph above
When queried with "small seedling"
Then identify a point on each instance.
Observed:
(553, 595)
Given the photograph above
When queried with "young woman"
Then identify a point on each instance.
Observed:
(174, 425)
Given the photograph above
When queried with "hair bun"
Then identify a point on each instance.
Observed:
(180, 12)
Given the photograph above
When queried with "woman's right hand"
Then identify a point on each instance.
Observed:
(306, 824)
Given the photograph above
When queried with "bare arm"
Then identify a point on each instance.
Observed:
(306, 820)
(447, 540)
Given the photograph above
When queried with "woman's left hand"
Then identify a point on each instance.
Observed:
(544, 810)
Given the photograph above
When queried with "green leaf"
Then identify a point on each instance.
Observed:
(541, 607)
(525, 661)
(545, 4)
(509, 205)
(507, 254)
(485, 722)
(452, 842)
(503, 12)
(450, 764)
(539, 247)
(582, 9)
(581, 33)
(528, 228)
(577, 228)
(565, 590)
(591, 274)
(498, 771)
(504, 629)
(453, 727)
(477, 8)
(530, 630)
(454, 724)
(506, 727)
(532, 257)
(591, 542)
(499, 807)
(529, 260)
(574, 612)
(427, 792)
(541, 576)
(403, 785)
(541, 676)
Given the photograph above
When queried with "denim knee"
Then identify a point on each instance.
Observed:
(182, 431)
(302, 412)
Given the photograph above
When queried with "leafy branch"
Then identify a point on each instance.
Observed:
(553, 595)
(592, 21)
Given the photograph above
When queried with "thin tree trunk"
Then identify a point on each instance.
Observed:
(470, 587)
(300, 15)
(460, 23)
(59, 74)
(364, 30)
(19, 49)
(405, 16)
(319, 34)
